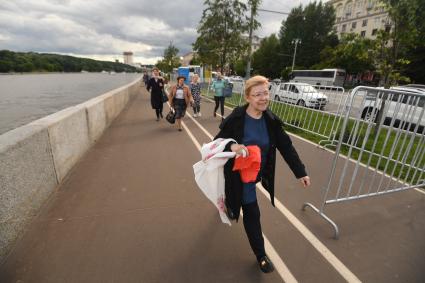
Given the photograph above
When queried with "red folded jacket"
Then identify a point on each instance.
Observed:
(249, 166)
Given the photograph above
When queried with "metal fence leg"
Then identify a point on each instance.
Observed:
(324, 216)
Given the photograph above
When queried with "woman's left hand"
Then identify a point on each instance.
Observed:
(305, 181)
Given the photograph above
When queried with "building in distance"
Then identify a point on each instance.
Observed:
(186, 58)
(128, 57)
(363, 17)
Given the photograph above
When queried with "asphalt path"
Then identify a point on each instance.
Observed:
(130, 211)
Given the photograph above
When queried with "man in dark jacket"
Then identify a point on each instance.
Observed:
(255, 124)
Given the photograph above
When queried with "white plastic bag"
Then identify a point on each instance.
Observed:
(209, 173)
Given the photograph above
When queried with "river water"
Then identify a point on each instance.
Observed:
(28, 97)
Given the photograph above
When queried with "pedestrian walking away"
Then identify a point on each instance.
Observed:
(218, 86)
(195, 90)
(156, 87)
(254, 125)
(180, 98)
(145, 78)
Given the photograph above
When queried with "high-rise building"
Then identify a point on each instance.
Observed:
(363, 17)
(128, 57)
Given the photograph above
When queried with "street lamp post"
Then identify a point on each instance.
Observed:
(248, 63)
(296, 41)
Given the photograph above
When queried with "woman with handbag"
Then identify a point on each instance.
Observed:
(180, 98)
(156, 87)
(255, 125)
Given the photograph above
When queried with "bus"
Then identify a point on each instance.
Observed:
(325, 77)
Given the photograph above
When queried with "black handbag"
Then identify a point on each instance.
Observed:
(228, 90)
(171, 117)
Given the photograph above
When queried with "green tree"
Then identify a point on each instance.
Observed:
(265, 58)
(170, 59)
(195, 60)
(353, 53)
(29, 62)
(314, 26)
(400, 35)
(239, 67)
(415, 51)
(220, 31)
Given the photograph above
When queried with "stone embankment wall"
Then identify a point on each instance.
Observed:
(35, 158)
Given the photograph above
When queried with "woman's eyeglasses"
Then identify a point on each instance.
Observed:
(259, 94)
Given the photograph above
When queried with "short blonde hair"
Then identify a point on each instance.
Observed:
(254, 81)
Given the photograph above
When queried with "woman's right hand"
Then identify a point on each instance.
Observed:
(239, 149)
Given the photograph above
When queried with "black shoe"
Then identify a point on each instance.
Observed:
(160, 114)
(215, 114)
(266, 264)
(180, 130)
(229, 212)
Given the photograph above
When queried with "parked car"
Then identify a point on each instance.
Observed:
(299, 93)
(273, 84)
(400, 106)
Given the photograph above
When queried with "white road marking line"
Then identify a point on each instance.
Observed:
(314, 241)
(328, 150)
(279, 265)
(200, 126)
(191, 136)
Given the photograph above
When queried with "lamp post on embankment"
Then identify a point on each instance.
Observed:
(296, 41)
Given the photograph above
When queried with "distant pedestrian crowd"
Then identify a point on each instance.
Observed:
(181, 96)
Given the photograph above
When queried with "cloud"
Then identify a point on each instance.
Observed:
(104, 29)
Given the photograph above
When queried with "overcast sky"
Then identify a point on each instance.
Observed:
(104, 29)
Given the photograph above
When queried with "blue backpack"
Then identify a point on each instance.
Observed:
(228, 90)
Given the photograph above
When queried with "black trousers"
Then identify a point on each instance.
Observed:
(251, 222)
(219, 100)
(158, 111)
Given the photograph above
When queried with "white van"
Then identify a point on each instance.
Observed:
(299, 93)
(401, 106)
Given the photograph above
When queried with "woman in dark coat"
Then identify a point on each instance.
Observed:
(156, 86)
(255, 124)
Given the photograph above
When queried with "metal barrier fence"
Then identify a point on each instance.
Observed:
(317, 110)
(379, 136)
(380, 149)
(334, 93)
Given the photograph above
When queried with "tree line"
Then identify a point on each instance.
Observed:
(39, 62)
(396, 54)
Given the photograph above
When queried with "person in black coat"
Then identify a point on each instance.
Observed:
(255, 124)
(156, 86)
